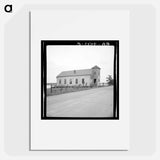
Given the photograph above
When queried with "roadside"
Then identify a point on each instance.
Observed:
(61, 90)
(97, 102)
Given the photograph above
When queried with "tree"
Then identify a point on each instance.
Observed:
(110, 80)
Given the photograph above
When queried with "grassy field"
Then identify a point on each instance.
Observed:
(62, 90)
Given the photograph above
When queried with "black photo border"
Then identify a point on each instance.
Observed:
(45, 43)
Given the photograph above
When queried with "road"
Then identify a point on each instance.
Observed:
(96, 102)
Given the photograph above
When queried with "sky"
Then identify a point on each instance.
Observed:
(63, 58)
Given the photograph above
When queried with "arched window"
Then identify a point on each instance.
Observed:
(83, 81)
(76, 81)
(60, 81)
(70, 82)
(65, 81)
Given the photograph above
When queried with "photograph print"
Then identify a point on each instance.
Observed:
(80, 79)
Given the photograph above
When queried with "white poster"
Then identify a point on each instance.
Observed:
(79, 80)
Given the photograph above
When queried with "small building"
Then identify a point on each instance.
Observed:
(83, 77)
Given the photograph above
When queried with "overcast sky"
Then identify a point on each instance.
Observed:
(63, 58)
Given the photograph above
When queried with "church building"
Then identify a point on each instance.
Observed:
(83, 77)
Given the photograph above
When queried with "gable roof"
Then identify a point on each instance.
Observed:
(96, 67)
(81, 72)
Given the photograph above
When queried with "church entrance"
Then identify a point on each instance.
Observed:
(95, 81)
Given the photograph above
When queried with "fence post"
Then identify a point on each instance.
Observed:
(51, 88)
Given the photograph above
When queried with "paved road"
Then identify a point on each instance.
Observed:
(96, 102)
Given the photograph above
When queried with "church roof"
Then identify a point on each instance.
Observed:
(81, 72)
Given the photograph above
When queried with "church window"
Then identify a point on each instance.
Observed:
(83, 81)
(76, 81)
(60, 81)
(70, 82)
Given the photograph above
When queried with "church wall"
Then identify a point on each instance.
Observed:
(87, 81)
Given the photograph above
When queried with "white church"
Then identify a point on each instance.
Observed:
(83, 77)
